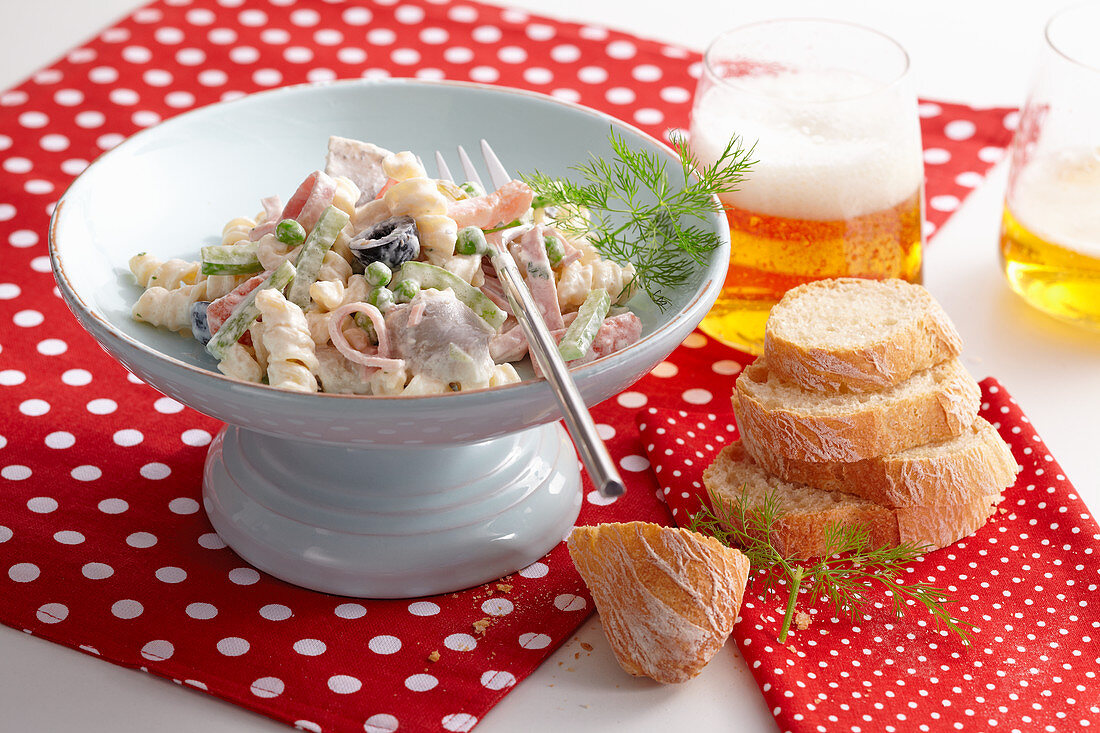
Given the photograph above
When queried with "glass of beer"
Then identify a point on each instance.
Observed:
(1050, 233)
(836, 189)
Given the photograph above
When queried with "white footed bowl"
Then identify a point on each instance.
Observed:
(355, 495)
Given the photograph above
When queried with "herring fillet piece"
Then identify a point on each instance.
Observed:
(359, 161)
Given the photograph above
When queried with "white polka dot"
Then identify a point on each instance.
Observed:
(357, 16)
(421, 682)
(89, 119)
(24, 572)
(310, 647)
(990, 154)
(155, 471)
(52, 347)
(459, 722)
(695, 341)
(929, 109)
(167, 406)
(534, 641)
(12, 377)
(343, 684)
(592, 74)
(535, 570)
(128, 437)
(569, 602)
(486, 34)
(141, 540)
(405, 56)
(697, 396)
(381, 36)
(621, 50)
(127, 609)
(646, 72)
(244, 55)
(233, 646)
(254, 18)
(222, 36)
(211, 541)
(52, 613)
(434, 36)
(5, 533)
(74, 166)
(60, 440)
(497, 607)
(190, 56)
(423, 608)
(634, 463)
(97, 571)
(68, 537)
(632, 400)
(86, 473)
(68, 97)
(960, 129)
(969, 179)
(158, 650)
(538, 75)
(14, 98)
(944, 202)
(267, 687)
(33, 120)
(350, 55)
(566, 53)
(103, 75)
(180, 100)
(39, 185)
(34, 408)
(244, 576)
(497, 680)
(9, 291)
(16, 472)
(267, 77)
(201, 611)
(137, 54)
(350, 611)
(512, 55)
(19, 165)
(380, 723)
(936, 156)
(276, 612)
(168, 35)
(726, 367)
(594, 497)
(113, 506)
(195, 437)
(102, 406)
(649, 116)
(320, 74)
(384, 644)
(460, 642)
(171, 574)
(7, 212)
(484, 74)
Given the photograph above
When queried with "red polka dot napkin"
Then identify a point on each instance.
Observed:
(1027, 580)
(103, 546)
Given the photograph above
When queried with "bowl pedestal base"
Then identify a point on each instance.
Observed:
(392, 522)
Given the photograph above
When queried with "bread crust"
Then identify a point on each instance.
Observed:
(915, 344)
(952, 472)
(802, 532)
(667, 597)
(882, 423)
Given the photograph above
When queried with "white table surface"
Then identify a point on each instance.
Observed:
(981, 53)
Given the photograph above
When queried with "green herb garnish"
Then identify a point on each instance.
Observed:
(846, 575)
(639, 216)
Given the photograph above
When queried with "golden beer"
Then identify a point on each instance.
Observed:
(1054, 278)
(835, 186)
(769, 255)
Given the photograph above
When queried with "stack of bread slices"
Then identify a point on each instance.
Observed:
(860, 413)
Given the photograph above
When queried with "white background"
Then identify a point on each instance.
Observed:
(980, 53)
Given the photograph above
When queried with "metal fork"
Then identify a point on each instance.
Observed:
(601, 469)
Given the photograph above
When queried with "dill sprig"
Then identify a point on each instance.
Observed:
(637, 215)
(847, 574)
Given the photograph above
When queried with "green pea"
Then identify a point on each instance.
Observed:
(471, 241)
(472, 189)
(290, 232)
(378, 274)
(381, 298)
(555, 250)
(406, 290)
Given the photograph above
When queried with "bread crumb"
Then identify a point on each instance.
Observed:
(481, 624)
(433, 657)
(504, 587)
(791, 649)
(802, 620)
(586, 646)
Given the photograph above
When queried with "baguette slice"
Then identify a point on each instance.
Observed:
(808, 511)
(857, 335)
(952, 471)
(933, 405)
(667, 597)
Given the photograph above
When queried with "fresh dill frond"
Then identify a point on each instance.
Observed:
(637, 215)
(847, 575)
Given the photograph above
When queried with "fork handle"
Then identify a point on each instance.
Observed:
(597, 461)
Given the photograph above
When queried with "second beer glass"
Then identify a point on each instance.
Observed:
(837, 187)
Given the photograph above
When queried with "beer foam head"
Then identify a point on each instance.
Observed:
(829, 145)
(1055, 196)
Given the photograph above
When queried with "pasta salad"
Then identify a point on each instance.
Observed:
(374, 278)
